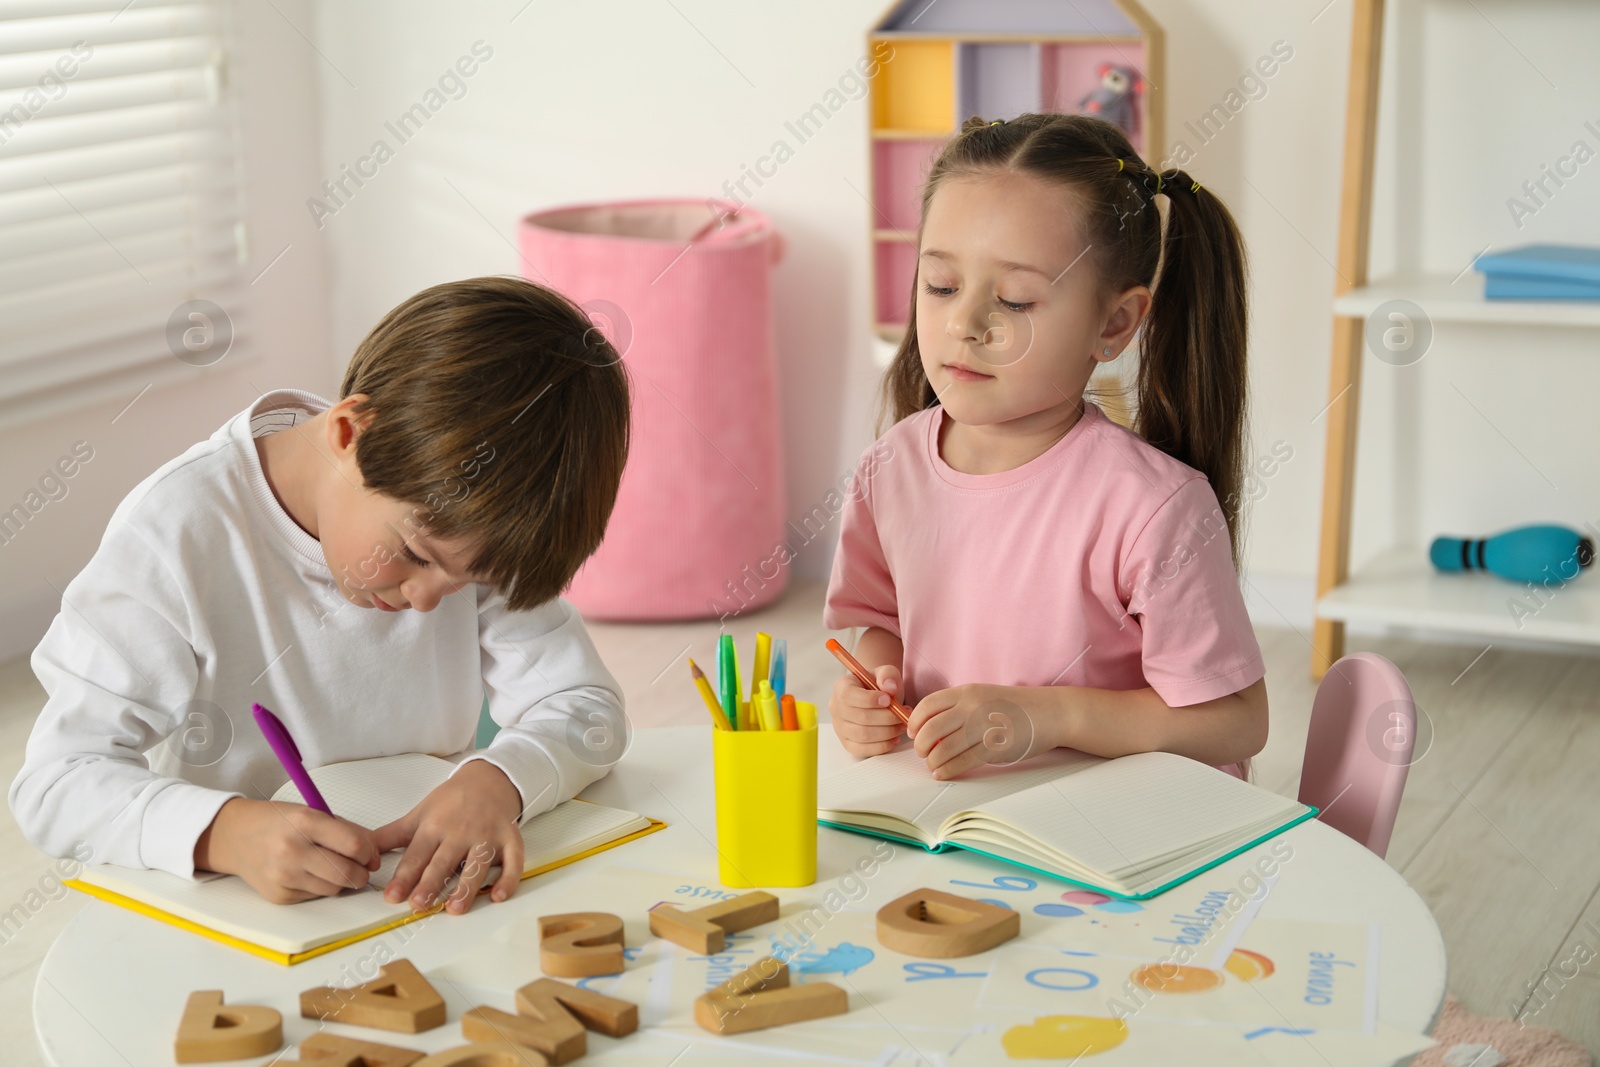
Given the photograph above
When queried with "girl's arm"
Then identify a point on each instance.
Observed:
(878, 648)
(964, 727)
(861, 592)
(1110, 722)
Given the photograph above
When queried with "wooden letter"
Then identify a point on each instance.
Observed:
(939, 925)
(547, 998)
(705, 930)
(209, 1032)
(580, 943)
(761, 996)
(329, 1050)
(496, 1054)
(398, 999)
(552, 1017)
(558, 1041)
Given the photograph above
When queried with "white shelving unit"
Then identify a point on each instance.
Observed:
(1461, 300)
(1400, 587)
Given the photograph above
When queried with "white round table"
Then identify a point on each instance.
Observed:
(113, 985)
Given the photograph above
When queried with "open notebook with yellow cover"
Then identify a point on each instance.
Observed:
(368, 792)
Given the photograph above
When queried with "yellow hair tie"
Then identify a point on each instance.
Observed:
(1119, 166)
(1195, 188)
(997, 122)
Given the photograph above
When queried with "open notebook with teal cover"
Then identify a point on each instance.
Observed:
(1131, 828)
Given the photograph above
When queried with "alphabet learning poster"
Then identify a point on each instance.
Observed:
(1193, 976)
(1137, 1041)
(1283, 973)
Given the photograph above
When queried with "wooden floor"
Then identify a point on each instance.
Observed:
(1499, 830)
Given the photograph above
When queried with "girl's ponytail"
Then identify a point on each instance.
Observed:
(1192, 367)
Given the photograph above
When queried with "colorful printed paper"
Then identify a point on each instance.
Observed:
(1089, 975)
(1107, 1042)
(1283, 973)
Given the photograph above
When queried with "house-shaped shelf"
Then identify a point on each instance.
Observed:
(998, 59)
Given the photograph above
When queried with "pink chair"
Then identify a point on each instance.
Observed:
(1363, 734)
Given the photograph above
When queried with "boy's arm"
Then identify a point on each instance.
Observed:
(560, 711)
(120, 674)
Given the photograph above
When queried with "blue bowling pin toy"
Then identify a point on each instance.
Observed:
(1525, 554)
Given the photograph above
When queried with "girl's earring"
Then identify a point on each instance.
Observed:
(1106, 350)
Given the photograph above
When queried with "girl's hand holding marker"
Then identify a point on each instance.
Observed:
(866, 715)
(954, 729)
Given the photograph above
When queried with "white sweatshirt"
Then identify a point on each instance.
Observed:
(205, 596)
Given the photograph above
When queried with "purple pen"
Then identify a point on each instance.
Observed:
(283, 747)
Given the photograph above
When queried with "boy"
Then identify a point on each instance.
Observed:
(367, 570)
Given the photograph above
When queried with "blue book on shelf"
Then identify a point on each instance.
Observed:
(1572, 263)
(1509, 287)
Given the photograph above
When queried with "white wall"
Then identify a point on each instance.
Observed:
(629, 99)
(278, 116)
(608, 101)
(641, 98)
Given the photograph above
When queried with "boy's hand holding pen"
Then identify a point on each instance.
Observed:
(293, 852)
(287, 852)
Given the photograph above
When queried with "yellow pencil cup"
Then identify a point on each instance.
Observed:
(766, 784)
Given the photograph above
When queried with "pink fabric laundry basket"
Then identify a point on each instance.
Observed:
(682, 288)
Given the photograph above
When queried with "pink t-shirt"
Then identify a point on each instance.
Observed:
(1103, 562)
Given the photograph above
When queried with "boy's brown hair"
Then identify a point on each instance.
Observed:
(500, 412)
(1191, 383)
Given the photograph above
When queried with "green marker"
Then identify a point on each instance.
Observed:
(728, 680)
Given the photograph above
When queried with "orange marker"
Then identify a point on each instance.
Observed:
(791, 714)
(865, 678)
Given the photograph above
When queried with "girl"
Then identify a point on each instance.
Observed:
(1030, 573)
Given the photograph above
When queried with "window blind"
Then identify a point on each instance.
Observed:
(119, 195)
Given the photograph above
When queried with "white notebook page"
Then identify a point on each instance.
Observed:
(899, 783)
(371, 793)
(1128, 813)
(230, 906)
